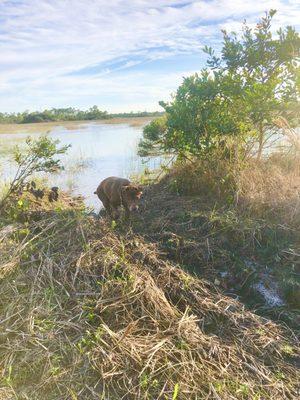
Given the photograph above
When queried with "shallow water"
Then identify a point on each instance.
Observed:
(97, 151)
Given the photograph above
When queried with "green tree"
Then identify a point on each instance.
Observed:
(241, 93)
(95, 113)
(267, 68)
(152, 136)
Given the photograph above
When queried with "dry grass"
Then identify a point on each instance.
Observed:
(233, 224)
(212, 178)
(272, 187)
(91, 312)
(269, 188)
(132, 121)
(44, 127)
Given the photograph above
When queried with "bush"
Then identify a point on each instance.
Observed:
(39, 156)
(152, 136)
(213, 178)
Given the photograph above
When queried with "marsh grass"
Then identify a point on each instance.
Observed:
(7, 146)
(45, 127)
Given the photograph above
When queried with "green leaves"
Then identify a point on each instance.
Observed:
(40, 155)
(253, 81)
(55, 114)
(153, 134)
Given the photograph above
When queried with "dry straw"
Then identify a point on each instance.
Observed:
(88, 312)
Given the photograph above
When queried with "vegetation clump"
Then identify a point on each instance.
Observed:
(39, 156)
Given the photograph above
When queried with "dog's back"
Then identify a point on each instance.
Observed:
(111, 187)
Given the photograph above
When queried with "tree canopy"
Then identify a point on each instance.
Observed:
(254, 80)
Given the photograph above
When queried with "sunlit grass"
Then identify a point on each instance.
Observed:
(44, 127)
(87, 308)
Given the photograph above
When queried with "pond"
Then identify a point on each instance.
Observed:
(97, 151)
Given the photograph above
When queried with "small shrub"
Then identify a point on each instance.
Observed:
(40, 155)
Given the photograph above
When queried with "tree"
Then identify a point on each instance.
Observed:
(95, 113)
(39, 156)
(241, 93)
(267, 68)
(152, 135)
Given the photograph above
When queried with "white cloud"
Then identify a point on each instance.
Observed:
(45, 44)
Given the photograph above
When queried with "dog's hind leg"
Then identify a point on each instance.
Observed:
(105, 201)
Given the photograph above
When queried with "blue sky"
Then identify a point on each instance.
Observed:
(121, 54)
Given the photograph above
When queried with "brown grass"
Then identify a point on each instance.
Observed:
(233, 224)
(91, 312)
(44, 127)
(132, 121)
(272, 186)
(269, 187)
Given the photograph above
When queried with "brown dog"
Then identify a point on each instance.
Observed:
(116, 192)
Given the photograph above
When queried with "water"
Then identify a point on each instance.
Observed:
(97, 151)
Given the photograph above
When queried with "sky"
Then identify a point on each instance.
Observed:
(122, 55)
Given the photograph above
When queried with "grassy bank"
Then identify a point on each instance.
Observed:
(91, 310)
(44, 127)
(236, 225)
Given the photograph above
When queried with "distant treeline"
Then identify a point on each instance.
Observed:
(67, 114)
(137, 114)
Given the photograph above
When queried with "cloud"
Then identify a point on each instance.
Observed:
(80, 53)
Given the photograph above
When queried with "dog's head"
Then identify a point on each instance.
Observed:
(131, 195)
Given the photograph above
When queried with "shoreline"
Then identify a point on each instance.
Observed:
(44, 127)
